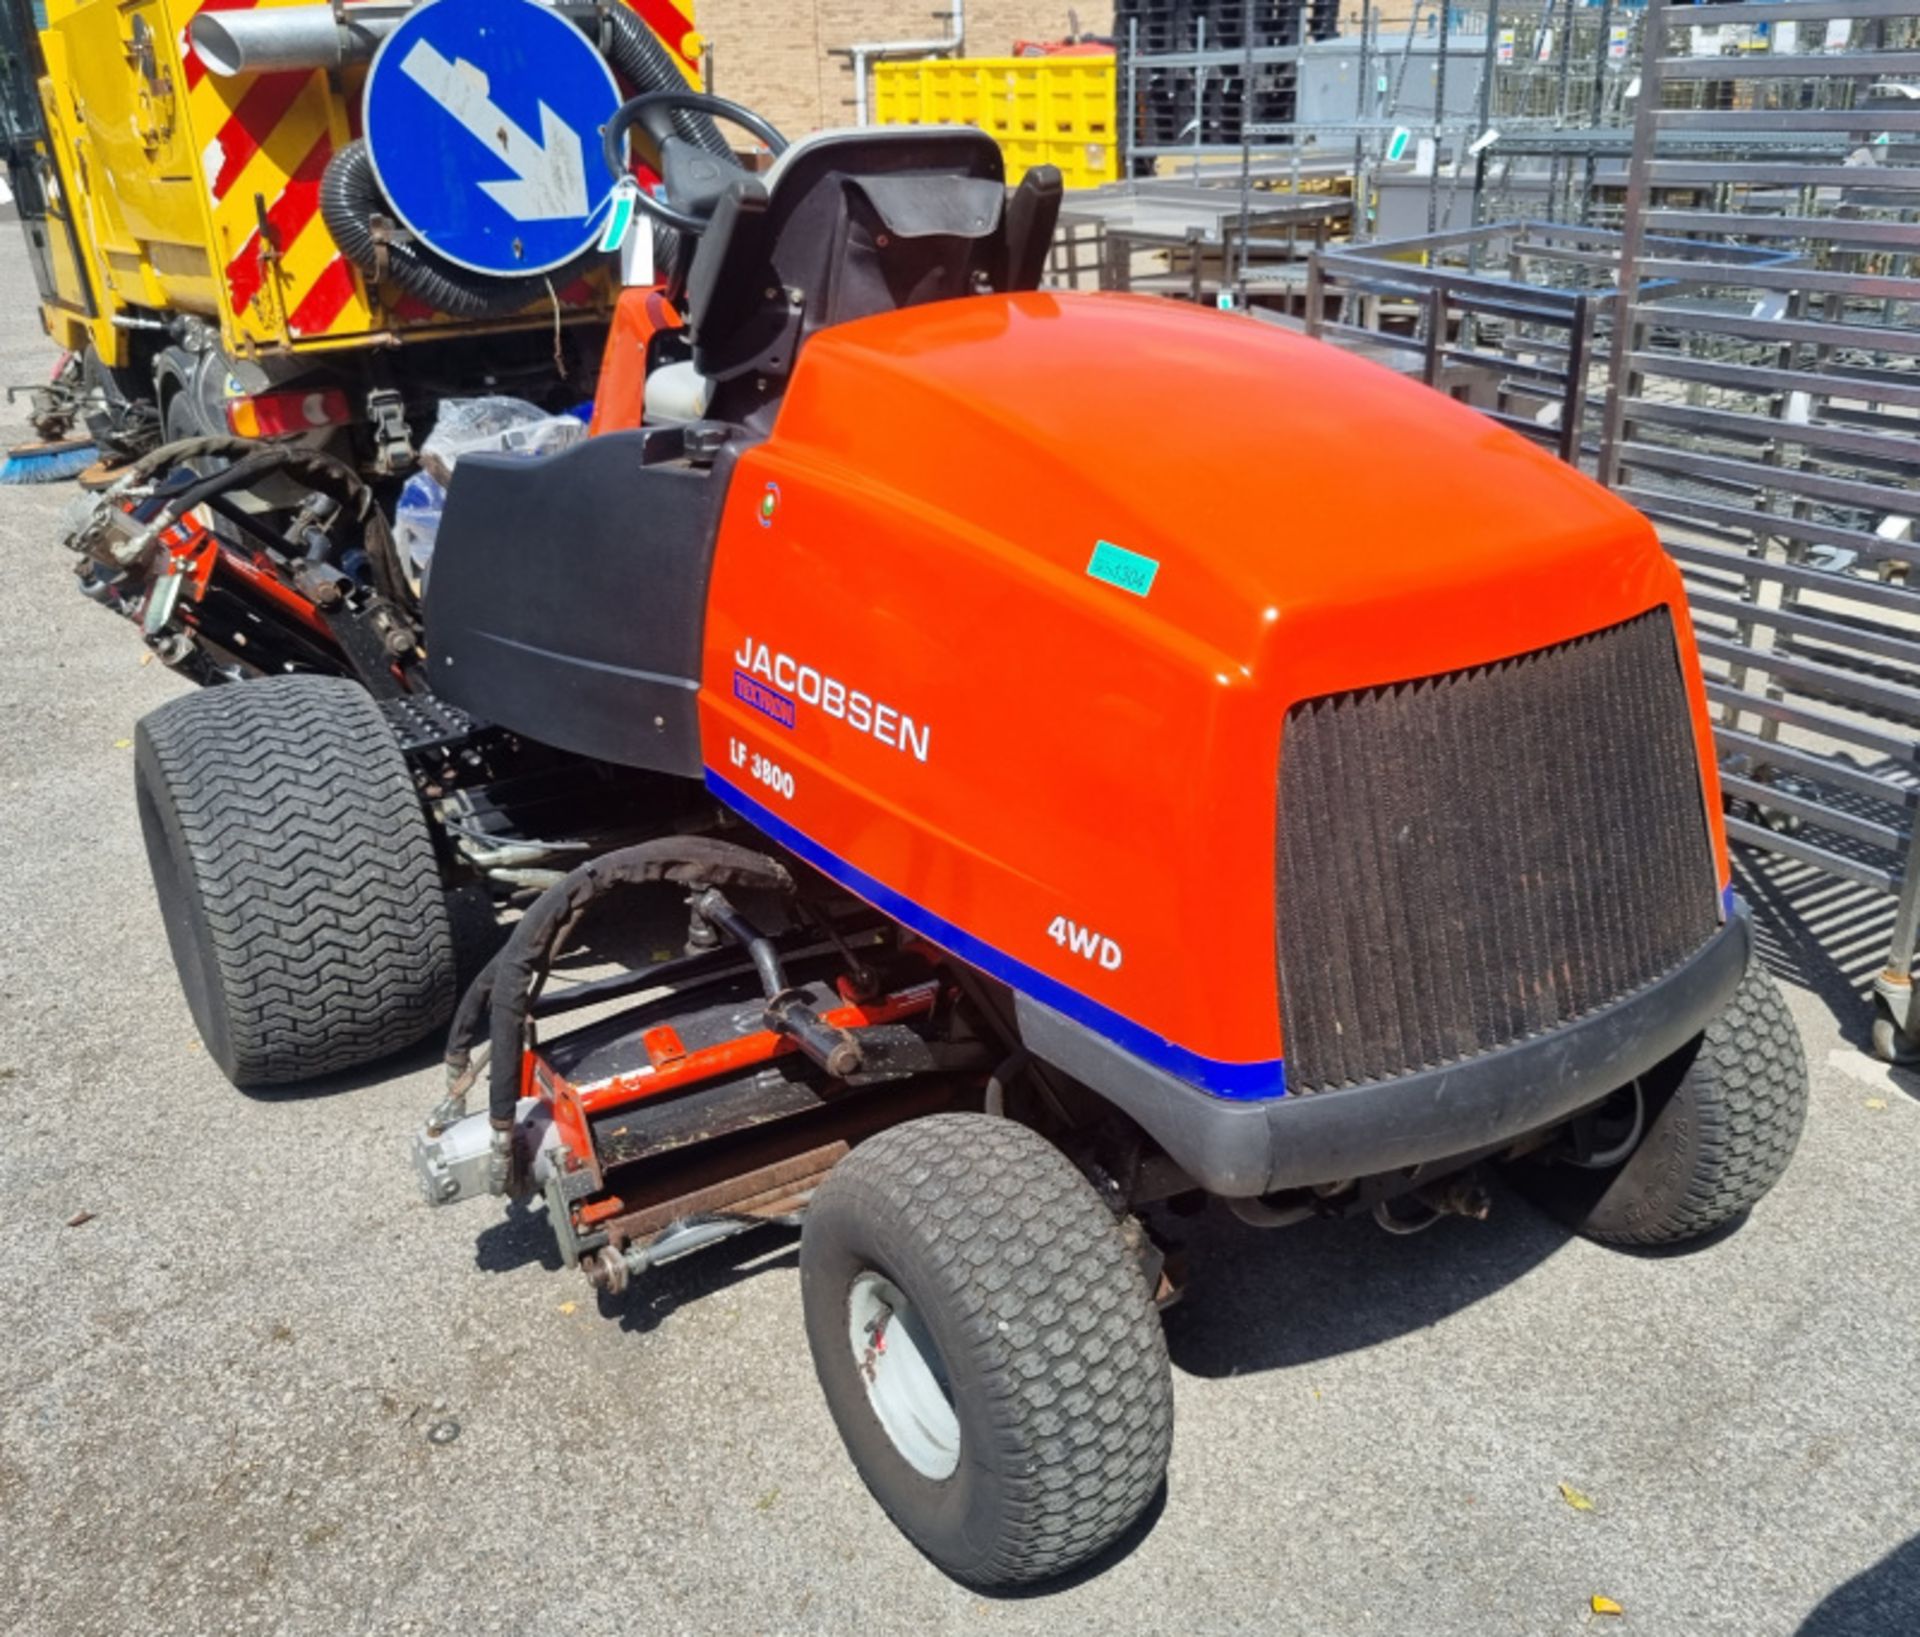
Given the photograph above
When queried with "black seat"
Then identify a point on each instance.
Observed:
(851, 223)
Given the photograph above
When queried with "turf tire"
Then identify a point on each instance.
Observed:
(296, 876)
(1040, 1313)
(1722, 1118)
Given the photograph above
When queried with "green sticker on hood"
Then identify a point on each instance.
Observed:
(1126, 569)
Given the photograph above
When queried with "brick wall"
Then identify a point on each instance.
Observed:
(774, 57)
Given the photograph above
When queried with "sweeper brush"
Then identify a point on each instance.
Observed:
(47, 462)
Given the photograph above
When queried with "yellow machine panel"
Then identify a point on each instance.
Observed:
(198, 193)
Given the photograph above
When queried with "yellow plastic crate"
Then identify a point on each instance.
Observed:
(1041, 110)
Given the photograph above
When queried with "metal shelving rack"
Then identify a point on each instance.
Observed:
(1561, 81)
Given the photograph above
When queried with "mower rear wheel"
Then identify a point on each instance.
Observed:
(1704, 1134)
(987, 1345)
(296, 876)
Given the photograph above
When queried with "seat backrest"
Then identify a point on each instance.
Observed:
(845, 224)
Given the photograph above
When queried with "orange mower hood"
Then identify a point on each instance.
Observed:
(1087, 551)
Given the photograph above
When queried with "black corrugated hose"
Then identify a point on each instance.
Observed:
(644, 62)
(350, 198)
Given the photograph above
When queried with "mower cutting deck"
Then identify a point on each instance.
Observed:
(1076, 777)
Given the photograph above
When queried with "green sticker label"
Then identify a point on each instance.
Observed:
(1126, 569)
(619, 219)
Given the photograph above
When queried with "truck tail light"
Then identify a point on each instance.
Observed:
(281, 414)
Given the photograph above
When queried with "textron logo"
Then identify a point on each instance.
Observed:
(763, 699)
(770, 681)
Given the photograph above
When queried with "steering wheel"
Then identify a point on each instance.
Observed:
(689, 174)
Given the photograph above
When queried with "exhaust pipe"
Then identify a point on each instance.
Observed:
(290, 37)
(277, 38)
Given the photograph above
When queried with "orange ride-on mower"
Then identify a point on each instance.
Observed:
(1149, 755)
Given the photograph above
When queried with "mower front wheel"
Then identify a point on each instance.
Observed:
(1696, 1141)
(988, 1347)
(296, 875)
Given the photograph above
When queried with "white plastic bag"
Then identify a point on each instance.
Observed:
(463, 426)
(416, 520)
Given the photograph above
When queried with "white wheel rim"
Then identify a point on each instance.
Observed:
(905, 1382)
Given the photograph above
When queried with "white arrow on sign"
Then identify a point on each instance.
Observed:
(551, 181)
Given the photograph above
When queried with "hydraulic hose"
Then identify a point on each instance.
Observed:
(503, 993)
(252, 458)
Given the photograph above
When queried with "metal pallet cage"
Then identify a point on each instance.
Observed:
(1503, 317)
(1512, 317)
(1767, 417)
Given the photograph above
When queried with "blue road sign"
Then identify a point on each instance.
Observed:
(483, 118)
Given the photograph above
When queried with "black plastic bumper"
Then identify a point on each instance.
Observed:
(1241, 1148)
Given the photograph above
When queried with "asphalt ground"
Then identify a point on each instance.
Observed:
(217, 1393)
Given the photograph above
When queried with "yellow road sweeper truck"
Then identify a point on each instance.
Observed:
(215, 252)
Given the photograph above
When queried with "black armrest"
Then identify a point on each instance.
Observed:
(719, 297)
(1031, 216)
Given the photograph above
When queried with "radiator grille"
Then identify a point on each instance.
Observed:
(1473, 858)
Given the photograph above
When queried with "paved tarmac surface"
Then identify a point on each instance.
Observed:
(215, 1395)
